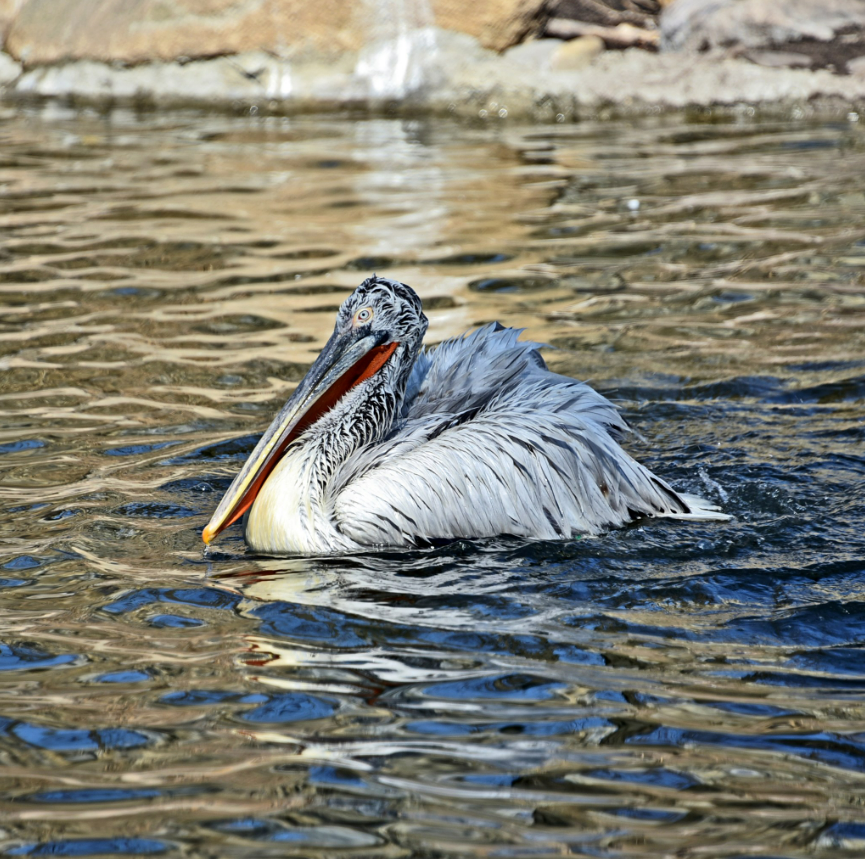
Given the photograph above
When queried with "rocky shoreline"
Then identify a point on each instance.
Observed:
(689, 56)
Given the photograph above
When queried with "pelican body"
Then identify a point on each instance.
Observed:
(385, 443)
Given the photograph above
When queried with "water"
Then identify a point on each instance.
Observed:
(667, 689)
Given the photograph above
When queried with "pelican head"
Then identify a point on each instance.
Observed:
(378, 333)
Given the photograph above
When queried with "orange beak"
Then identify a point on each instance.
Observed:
(343, 363)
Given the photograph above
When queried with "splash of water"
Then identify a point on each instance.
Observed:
(401, 56)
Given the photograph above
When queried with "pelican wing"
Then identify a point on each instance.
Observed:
(493, 443)
(466, 373)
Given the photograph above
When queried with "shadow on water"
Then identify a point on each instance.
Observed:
(665, 689)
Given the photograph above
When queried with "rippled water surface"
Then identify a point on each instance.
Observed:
(666, 690)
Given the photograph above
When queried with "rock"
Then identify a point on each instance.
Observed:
(778, 59)
(857, 67)
(470, 81)
(535, 54)
(677, 80)
(8, 11)
(620, 36)
(136, 31)
(828, 33)
(608, 13)
(497, 24)
(9, 69)
(257, 78)
(246, 77)
(577, 53)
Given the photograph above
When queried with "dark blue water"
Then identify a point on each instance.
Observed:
(669, 689)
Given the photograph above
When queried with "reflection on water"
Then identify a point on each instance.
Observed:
(663, 690)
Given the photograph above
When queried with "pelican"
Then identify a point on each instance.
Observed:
(385, 443)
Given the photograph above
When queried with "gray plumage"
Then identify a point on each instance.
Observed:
(474, 438)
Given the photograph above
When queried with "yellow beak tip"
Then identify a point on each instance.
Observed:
(207, 535)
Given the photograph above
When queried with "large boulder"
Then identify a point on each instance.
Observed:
(497, 24)
(135, 31)
(808, 33)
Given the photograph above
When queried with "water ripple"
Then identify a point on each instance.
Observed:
(665, 689)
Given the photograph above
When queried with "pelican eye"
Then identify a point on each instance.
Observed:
(363, 316)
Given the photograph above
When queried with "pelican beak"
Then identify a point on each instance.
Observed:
(345, 361)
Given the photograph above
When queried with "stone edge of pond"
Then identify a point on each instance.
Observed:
(467, 82)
